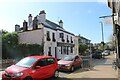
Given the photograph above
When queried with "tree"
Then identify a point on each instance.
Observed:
(9, 42)
(82, 49)
(12, 49)
(10, 39)
(112, 42)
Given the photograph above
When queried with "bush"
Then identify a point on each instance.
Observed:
(30, 49)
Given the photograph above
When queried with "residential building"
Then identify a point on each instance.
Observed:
(57, 41)
(83, 40)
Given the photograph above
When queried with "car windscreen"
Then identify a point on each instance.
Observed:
(26, 62)
(68, 58)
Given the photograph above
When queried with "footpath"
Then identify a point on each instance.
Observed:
(98, 72)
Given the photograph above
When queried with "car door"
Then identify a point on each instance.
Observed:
(40, 72)
(50, 66)
(77, 61)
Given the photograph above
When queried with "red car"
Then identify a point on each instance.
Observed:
(32, 68)
(70, 62)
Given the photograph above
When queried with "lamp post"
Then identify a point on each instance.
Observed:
(102, 35)
(102, 29)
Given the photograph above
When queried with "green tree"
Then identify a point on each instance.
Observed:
(9, 43)
(10, 39)
(12, 49)
(112, 42)
(4, 31)
(82, 49)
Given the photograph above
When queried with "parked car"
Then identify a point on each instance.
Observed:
(70, 62)
(32, 67)
(97, 55)
(106, 52)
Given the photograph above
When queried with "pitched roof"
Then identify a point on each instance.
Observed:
(52, 25)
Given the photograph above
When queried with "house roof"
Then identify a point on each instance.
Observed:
(84, 38)
(54, 26)
(51, 25)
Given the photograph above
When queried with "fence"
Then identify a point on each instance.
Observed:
(87, 61)
(6, 62)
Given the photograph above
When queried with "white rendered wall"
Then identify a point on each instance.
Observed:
(50, 43)
(31, 37)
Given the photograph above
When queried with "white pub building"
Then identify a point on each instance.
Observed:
(57, 41)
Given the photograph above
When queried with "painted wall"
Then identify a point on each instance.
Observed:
(31, 37)
(60, 55)
(76, 45)
(50, 43)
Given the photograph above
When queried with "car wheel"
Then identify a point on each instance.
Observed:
(72, 69)
(28, 78)
(56, 74)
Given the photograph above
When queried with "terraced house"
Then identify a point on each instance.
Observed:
(57, 41)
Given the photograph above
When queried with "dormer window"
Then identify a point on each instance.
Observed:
(48, 36)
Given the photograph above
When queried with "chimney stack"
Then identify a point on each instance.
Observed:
(17, 28)
(29, 19)
(35, 23)
(24, 25)
(61, 23)
(42, 16)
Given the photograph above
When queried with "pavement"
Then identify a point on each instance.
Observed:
(96, 72)
(102, 69)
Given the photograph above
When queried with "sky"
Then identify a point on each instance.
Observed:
(78, 17)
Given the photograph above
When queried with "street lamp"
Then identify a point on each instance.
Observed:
(102, 29)
(102, 34)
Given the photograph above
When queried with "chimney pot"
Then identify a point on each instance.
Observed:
(17, 28)
(61, 23)
(30, 15)
(42, 12)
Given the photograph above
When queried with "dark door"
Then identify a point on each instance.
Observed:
(49, 51)
(67, 50)
(55, 52)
